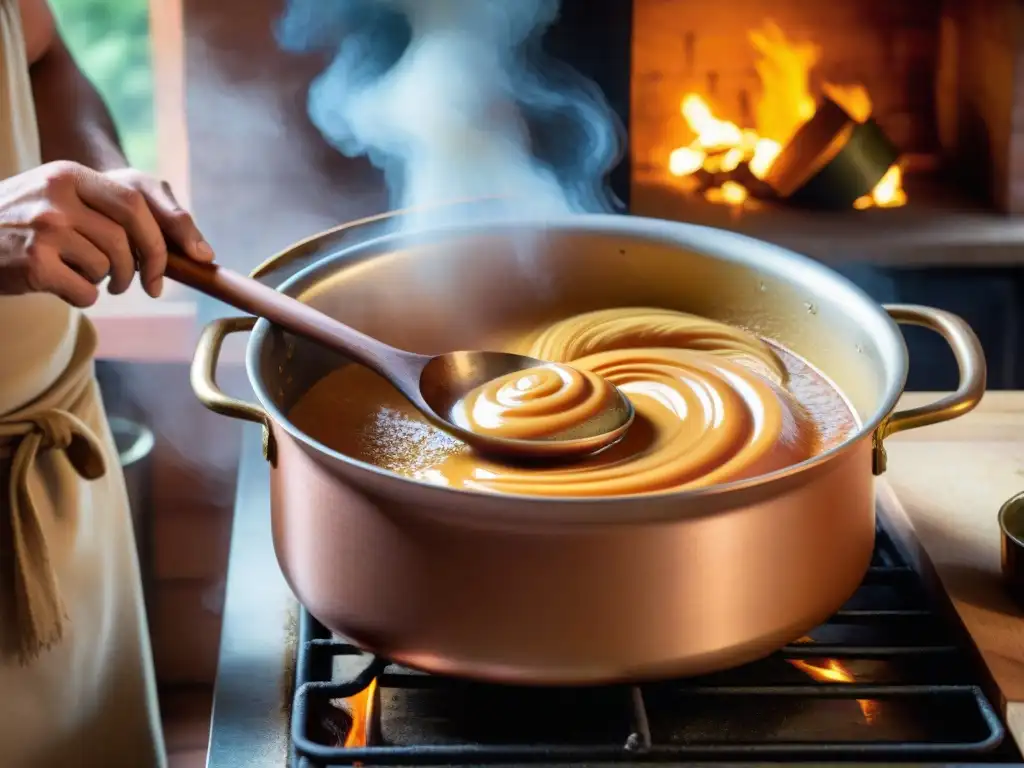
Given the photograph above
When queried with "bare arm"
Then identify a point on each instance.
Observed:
(74, 122)
(84, 215)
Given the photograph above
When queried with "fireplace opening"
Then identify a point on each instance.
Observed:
(735, 165)
(720, 92)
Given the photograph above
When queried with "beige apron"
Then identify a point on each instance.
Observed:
(76, 674)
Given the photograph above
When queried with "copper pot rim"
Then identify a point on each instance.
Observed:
(771, 483)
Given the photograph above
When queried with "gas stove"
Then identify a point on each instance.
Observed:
(892, 677)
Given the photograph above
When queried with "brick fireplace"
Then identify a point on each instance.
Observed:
(941, 75)
(946, 84)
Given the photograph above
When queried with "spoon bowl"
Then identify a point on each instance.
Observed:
(434, 384)
(446, 379)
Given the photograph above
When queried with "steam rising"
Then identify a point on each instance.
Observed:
(454, 100)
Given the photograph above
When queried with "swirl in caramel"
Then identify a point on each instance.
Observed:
(549, 402)
(713, 404)
(632, 329)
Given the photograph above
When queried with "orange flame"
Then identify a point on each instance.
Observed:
(786, 103)
(831, 671)
(361, 712)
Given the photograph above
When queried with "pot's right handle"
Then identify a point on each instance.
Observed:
(203, 377)
(970, 360)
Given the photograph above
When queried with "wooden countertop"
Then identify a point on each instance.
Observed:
(950, 479)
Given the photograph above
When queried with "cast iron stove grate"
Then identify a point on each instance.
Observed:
(887, 678)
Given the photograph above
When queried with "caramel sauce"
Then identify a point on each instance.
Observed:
(713, 404)
(549, 402)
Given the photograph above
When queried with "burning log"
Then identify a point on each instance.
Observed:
(832, 161)
(732, 186)
(823, 154)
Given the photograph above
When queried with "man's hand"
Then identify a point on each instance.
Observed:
(64, 228)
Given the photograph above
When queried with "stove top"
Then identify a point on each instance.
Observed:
(890, 678)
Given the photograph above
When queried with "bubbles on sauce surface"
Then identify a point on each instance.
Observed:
(713, 404)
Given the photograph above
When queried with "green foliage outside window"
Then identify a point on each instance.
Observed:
(110, 41)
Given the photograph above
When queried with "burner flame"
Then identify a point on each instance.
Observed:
(361, 709)
(832, 671)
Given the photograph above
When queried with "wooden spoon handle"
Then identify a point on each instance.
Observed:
(253, 297)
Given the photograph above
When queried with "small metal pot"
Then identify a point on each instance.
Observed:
(1011, 528)
(573, 591)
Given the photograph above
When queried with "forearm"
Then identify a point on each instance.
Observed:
(74, 123)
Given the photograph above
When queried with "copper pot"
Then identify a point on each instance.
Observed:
(573, 591)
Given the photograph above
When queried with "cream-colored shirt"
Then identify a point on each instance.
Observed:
(37, 332)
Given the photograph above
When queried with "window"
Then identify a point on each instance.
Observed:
(110, 40)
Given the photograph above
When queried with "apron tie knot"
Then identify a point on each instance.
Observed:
(38, 609)
(55, 428)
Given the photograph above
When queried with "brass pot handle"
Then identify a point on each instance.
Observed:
(970, 360)
(203, 376)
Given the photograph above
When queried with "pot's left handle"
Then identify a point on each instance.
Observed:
(970, 360)
(203, 376)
